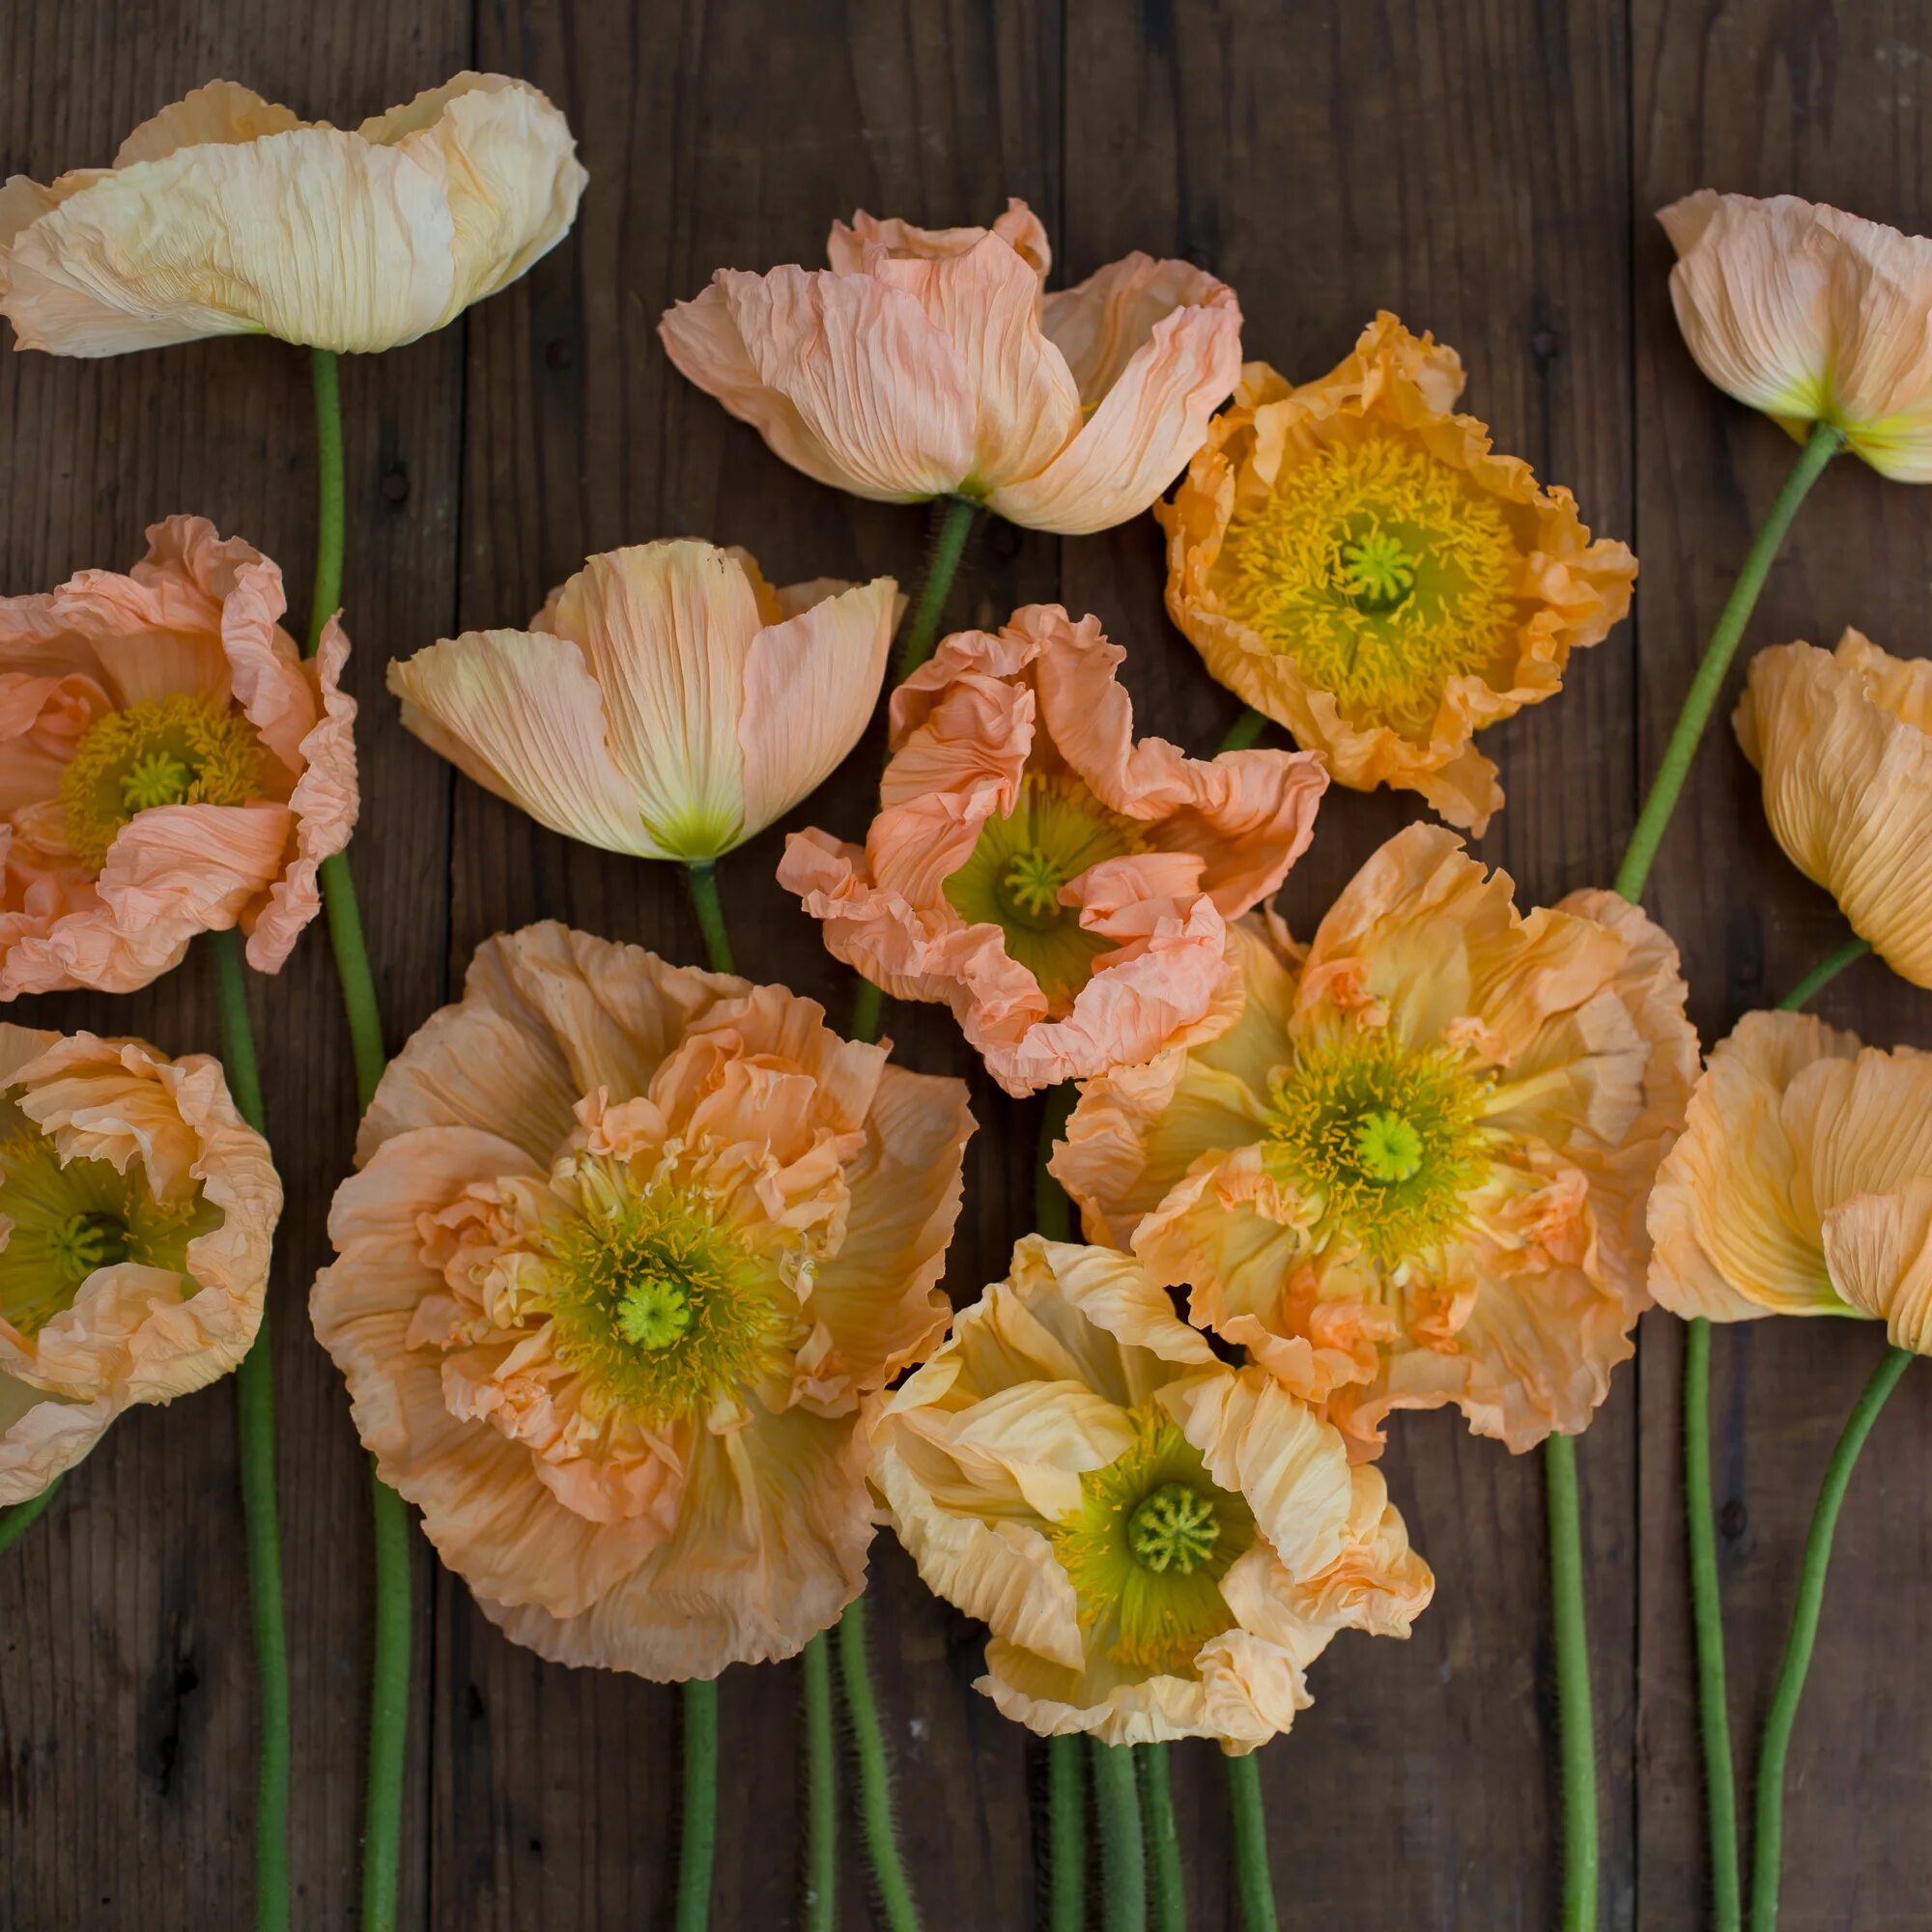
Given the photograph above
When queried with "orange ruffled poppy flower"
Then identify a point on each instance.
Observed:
(1160, 1544)
(169, 765)
(666, 701)
(1062, 886)
(1802, 1183)
(136, 1215)
(226, 214)
(1406, 1165)
(633, 1250)
(1351, 557)
(1810, 315)
(928, 362)
(1844, 742)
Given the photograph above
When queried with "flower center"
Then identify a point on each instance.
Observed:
(66, 1221)
(181, 750)
(1380, 571)
(659, 1308)
(1383, 1143)
(1147, 1547)
(1021, 864)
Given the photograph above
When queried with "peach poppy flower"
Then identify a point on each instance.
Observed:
(137, 1214)
(1159, 1543)
(1351, 558)
(169, 765)
(1810, 315)
(666, 701)
(1802, 1183)
(1844, 742)
(633, 1250)
(1406, 1165)
(1062, 886)
(226, 214)
(928, 362)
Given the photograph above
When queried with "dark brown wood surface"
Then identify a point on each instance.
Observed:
(1487, 170)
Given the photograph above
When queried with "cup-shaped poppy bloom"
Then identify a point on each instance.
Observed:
(1064, 888)
(137, 1214)
(1802, 1183)
(1843, 740)
(226, 214)
(1352, 557)
(631, 1253)
(1812, 315)
(928, 362)
(169, 765)
(1408, 1165)
(1159, 1543)
(666, 701)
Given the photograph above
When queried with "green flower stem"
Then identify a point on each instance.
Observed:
(1820, 446)
(1066, 1836)
(875, 1788)
(1163, 1839)
(1768, 1843)
(1576, 1727)
(1253, 1882)
(1243, 732)
(1721, 1785)
(1823, 974)
(698, 1841)
(819, 1907)
(1052, 1211)
(1123, 1856)
(952, 519)
(255, 1405)
(701, 875)
(15, 1523)
(389, 1661)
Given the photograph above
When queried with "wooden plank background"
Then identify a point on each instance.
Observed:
(1490, 171)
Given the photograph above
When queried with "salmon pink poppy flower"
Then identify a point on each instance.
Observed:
(1062, 887)
(633, 1252)
(928, 362)
(169, 765)
(137, 1214)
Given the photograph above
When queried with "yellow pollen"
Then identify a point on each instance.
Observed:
(181, 750)
(1381, 571)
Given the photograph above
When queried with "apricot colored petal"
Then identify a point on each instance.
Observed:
(1878, 1251)
(519, 712)
(42, 1436)
(811, 687)
(847, 246)
(222, 111)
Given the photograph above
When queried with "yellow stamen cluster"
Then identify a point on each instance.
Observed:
(659, 1308)
(1384, 1142)
(1147, 1547)
(181, 750)
(1020, 864)
(1381, 570)
(68, 1220)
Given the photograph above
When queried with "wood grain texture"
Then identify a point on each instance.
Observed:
(1486, 171)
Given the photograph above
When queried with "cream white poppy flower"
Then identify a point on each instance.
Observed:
(226, 214)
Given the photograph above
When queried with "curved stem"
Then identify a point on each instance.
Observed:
(1820, 446)
(953, 519)
(698, 1840)
(869, 1006)
(1823, 974)
(15, 1523)
(1768, 1843)
(1253, 1881)
(1720, 1791)
(1576, 1729)
(1123, 1856)
(819, 1906)
(701, 875)
(1066, 1836)
(1052, 1211)
(1243, 732)
(389, 1662)
(255, 1407)
(1163, 1840)
(875, 1786)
